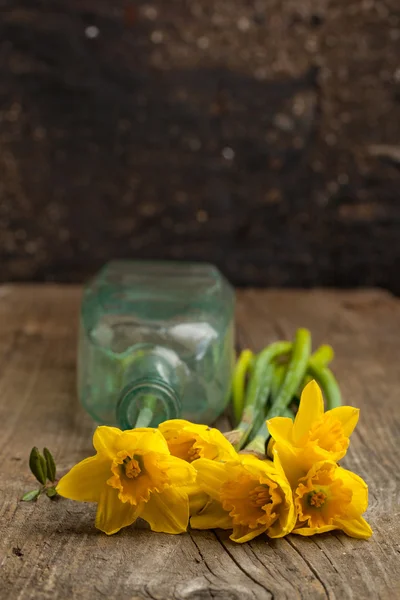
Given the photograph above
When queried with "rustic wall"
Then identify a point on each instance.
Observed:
(263, 135)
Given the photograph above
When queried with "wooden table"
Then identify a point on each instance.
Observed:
(52, 550)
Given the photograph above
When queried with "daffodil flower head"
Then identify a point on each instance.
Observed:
(247, 495)
(314, 435)
(330, 497)
(132, 475)
(190, 442)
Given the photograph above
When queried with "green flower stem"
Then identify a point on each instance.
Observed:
(322, 357)
(259, 388)
(258, 444)
(243, 367)
(277, 379)
(146, 413)
(294, 375)
(327, 382)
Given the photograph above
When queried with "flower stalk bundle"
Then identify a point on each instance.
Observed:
(287, 480)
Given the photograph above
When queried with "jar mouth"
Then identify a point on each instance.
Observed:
(147, 403)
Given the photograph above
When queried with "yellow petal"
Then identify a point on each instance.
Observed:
(183, 435)
(179, 472)
(104, 440)
(357, 528)
(311, 409)
(112, 514)
(287, 514)
(167, 512)
(215, 445)
(281, 429)
(359, 500)
(242, 534)
(197, 501)
(347, 415)
(210, 476)
(293, 461)
(86, 480)
(142, 440)
(255, 466)
(311, 530)
(176, 425)
(213, 516)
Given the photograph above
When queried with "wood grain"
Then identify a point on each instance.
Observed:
(52, 550)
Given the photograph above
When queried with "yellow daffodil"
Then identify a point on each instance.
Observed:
(132, 475)
(314, 435)
(190, 442)
(247, 495)
(329, 497)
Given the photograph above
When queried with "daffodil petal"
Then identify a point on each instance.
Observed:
(112, 514)
(210, 476)
(287, 515)
(86, 480)
(280, 429)
(176, 425)
(359, 500)
(294, 462)
(197, 502)
(306, 531)
(214, 442)
(146, 438)
(184, 436)
(348, 416)
(180, 472)
(242, 534)
(356, 528)
(213, 516)
(311, 409)
(167, 512)
(104, 440)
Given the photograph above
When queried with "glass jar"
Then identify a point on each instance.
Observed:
(156, 343)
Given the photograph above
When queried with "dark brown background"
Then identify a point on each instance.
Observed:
(263, 136)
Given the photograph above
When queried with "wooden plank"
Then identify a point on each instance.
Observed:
(52, 550)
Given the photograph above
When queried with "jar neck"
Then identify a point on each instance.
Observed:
(147, 403)
(154, 381)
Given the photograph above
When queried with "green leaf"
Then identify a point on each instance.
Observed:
(30, 496)
(38, 466)
(51, 492)
(51, 465)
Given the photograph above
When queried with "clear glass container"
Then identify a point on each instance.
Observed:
(156, 343)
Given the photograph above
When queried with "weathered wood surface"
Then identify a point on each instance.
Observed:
(52, 550)
(260, 135)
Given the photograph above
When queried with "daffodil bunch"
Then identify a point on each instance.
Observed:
(326, 496)
(182, 473)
